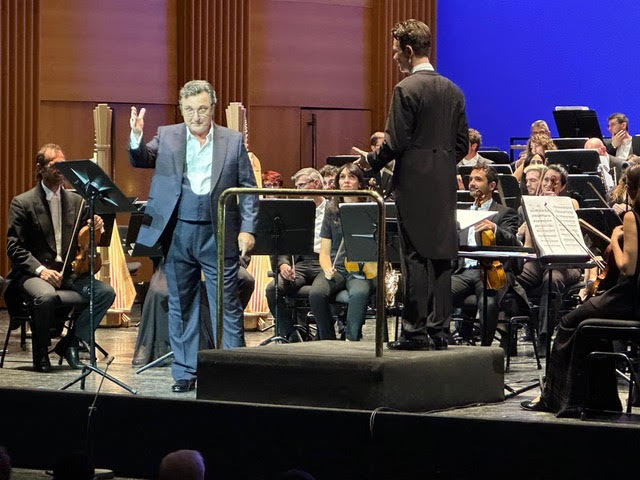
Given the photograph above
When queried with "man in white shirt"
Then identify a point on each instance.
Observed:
(294, 272)
(607, 162)
(472, 158)
(194, 162)
(40, 236)
(620, 144)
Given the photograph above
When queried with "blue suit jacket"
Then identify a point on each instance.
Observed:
(231, 167)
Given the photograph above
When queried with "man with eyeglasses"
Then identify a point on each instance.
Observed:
(294, 272)
(194, 163)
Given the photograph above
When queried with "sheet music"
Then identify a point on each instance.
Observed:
(467, 218)
(550, 237)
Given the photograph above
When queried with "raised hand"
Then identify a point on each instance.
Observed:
(136, 121)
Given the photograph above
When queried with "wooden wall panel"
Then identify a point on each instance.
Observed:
(115, 51)
(309, 54)
(19, 98)
(386, 14)
(275, 139)
(212, 45)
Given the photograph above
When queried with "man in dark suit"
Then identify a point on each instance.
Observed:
(194, 163)
(39, 238)
(426, 133)
(467, 278)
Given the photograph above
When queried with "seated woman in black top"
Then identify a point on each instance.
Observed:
(565, 388)
(334, 276)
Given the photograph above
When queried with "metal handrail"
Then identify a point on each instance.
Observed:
(380, 318)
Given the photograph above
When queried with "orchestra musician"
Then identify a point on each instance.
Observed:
(334, 276)
(534, 278)
(40, 236)
(564, 390)
(194, 162)
(426, 134)
(467, 279)
(296, 271)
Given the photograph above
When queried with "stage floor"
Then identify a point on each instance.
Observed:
(156, 382)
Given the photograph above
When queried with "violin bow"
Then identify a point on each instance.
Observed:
(73, 235)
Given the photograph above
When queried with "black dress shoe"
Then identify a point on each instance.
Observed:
(532, 406)
(404, 344)
(440, 343)
(182, 386)
(71, 356)
(42, 364)
(68, 349)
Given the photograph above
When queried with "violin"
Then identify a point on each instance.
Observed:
(81, 264)
(608, 276)
(494, 270)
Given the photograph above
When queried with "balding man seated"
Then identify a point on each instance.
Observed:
(607, 163)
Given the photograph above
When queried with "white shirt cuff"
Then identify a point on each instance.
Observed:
(134, 141)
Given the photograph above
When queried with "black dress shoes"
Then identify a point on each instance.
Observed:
(68, 349)
(404, 344)
(42, 364)
(182, 386)
(533, 406)
(71, 356)
(440, 343)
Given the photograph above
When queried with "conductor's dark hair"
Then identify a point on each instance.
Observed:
(415, 34)
(46, 153)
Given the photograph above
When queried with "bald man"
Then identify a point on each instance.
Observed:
(607, 162)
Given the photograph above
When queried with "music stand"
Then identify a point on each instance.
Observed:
(284, 226)
(635, 144)
(569, 143)
(603, 219)
(104, 197)
(590, 188)
(496, 156)
(359, 223)
(577, 160)
(577, 123)
(134, 248)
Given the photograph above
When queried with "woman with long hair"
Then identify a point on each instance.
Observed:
(565, 388)
(334, 276)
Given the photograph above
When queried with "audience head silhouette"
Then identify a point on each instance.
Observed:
(182, 465)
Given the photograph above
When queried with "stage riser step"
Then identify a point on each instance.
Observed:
(334, 374)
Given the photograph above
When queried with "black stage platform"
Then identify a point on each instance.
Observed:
(251, 441)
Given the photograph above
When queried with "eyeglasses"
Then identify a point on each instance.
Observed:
(304, 184)
(189, 112)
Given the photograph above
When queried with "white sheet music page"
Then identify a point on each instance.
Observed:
(554, 227)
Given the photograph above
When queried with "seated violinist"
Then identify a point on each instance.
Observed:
(40, 237)
(334, 276)
(565, 388)
(467, 278)
(534, 278)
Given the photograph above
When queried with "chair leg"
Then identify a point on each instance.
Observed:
(23, 336)
(6, 344)
(509, 338)
(534, 340)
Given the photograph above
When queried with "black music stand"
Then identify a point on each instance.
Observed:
(578, 160)
(359, 223)
(577, 122)
(603, 219)
(104, 197)
(635, 144)
(590, 189)
(284, 226)
(496, 156)
(569, 143)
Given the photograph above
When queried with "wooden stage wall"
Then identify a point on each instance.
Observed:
(299, 66)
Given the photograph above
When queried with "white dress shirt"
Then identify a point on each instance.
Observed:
(197, 162)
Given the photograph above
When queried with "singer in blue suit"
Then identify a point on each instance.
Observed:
(194, 163)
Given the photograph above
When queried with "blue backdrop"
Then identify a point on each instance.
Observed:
(516, 60)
